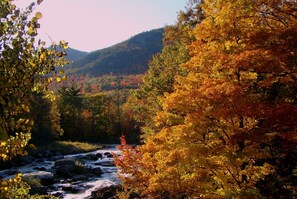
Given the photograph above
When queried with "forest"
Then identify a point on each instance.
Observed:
(213, 116)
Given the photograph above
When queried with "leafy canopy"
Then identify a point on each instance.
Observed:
(26, 65)
(221, 129)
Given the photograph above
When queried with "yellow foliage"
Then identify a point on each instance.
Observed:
(24, 67)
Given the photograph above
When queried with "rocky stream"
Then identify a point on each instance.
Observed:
(77, 176)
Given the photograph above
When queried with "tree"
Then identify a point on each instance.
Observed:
(222, 128)
(164, 68)
(71, 106)
(99, 117)
(26, 65)
(45, 113)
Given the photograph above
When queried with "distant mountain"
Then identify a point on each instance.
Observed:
(128, 57)
(74, 55)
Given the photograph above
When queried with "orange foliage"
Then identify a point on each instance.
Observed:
(222, 127)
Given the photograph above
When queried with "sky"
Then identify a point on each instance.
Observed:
(89, 25)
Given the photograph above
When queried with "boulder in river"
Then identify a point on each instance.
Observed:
(99, 155)
(40, 190)
(108, 155)
(77, 189)
(68, 161)
(96, 171)
(45, 178)
(67, 187)
(69, 167)
(105, 192)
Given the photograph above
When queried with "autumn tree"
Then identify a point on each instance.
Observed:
(164, 67)
(229, 128)
(26, 65)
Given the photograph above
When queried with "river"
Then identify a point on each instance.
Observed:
(69, 188)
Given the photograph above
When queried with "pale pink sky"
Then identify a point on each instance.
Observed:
(94, 24)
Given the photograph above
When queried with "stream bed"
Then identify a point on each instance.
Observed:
(73, 176)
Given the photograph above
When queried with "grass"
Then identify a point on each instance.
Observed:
(68, 147)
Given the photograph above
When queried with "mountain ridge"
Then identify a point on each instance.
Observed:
(128, 57)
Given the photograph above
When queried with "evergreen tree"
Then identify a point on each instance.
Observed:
(70, 107)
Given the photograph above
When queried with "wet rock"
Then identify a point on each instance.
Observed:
(105, 192)
(67, 187)
(108, 155)
(40, 190)
(77, 189)
(68, 171)
(99, 155)
(69, 167)
(96, 171)
(45, 178)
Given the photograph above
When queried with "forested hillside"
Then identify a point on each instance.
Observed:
(128, 57)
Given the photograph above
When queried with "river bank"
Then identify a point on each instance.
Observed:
(55, 148)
